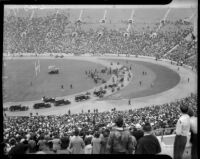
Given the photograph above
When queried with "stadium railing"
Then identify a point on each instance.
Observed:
(167, 143)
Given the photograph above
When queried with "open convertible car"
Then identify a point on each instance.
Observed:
(53, 70)
(48, 100)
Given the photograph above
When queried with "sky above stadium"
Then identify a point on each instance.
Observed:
(173, 4)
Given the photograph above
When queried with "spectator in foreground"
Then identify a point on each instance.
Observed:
(41, 142)
(5, 147)
(133, 140)
(19, 149)
(47, 148)
(64, 146)
(32, 144)
(104, 141)
(88, 146)
(138, 132)
(120, 140)
(12, 143)
(76, 144)
(182, 131)
(56, 143)
(148, 144)
(96, 143)
(193, 130)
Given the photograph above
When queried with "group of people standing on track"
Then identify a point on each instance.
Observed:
(94, 74)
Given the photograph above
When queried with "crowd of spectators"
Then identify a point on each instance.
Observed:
(54, 127)
(185, 52)
(89, 132)
(57, 34)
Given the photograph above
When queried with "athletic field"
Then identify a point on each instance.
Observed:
(168, 83)
(22, 84)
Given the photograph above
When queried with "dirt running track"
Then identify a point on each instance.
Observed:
(181, 90)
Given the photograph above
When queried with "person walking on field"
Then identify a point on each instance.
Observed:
(62, 87)
(129, 102)
(182, 132)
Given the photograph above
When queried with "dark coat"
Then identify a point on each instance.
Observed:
(148, 144)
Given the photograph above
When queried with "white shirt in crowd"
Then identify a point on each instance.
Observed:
(183, 125)
(88, 149)
(193, 124)
(77, 145)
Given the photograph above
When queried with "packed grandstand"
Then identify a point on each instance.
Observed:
(55, 33)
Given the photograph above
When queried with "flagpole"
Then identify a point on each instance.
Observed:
(35, 69)
(38, 65)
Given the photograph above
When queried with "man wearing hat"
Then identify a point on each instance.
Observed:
(138, 132)
(148, 144)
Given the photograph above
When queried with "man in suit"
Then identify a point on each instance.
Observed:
(148, 144)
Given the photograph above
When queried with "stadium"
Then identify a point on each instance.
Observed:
(82, 68)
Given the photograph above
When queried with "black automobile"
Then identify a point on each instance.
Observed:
(18, 108)
(14, 108)
(81, 97)
(61, 102)
(41, 105)
(112, 85)
(54, 71)
(100, 93)
(24, 108)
